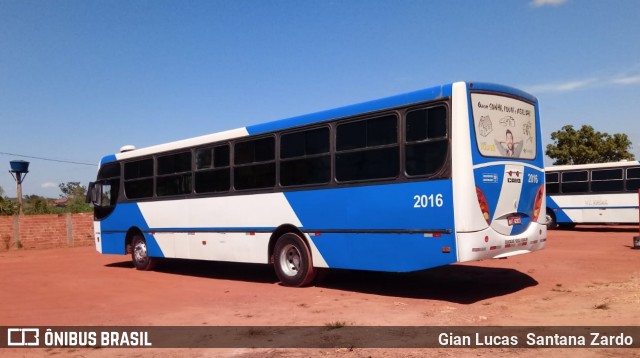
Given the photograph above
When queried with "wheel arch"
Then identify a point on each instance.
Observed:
(128, 240)
(281, 230)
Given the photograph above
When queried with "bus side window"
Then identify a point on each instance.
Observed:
(174, 174)
(213, 174)
(427, 144)
(553, 183)
(575, 182)
(633, 179)
(254, 164)
(606, 180)
(305, 158)
(138, 179)
(367, 149)
(105, 195)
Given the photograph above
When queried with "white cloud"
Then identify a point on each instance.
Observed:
(631, 79)
(568, 86)
(49, 185)
(627, 80)
(540, 3)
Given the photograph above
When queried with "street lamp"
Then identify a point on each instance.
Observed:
(19, 170)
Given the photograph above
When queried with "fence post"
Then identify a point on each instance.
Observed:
(16, 231)
(69, 230)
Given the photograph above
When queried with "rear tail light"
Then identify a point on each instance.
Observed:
(538, 203)
(484, 205)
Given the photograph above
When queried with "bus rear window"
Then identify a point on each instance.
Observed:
(504, 127)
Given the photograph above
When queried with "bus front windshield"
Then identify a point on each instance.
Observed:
(505, 127)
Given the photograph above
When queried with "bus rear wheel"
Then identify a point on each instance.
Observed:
(140, 254)
(292, 261)
(551, 220)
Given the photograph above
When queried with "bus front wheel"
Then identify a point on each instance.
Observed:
(140, 254)
(292, 261)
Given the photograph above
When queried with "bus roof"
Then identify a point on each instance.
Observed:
(427, 94)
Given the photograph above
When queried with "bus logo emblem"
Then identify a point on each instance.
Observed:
(511, 173)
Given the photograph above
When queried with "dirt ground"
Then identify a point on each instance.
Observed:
(588, 276)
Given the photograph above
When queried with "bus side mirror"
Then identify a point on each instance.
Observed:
(93, 194)
(89, 197)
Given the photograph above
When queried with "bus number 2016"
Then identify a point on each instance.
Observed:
(428, 201)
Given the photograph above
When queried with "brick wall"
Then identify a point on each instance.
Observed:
(45, 231)
(6, 232)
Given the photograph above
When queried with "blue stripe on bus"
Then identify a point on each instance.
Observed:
(490, 179)
(124, 216)
(411, 205)
(361, 108)
(561, 216)
(385, 252)
(388, 206)
(527, 199)
(112, 243)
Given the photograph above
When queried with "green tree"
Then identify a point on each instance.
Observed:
(75, 195)
(37, 205)
(587, 145)
(7, 206)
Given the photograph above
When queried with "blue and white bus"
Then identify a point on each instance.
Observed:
(603, 193)
(446, 174)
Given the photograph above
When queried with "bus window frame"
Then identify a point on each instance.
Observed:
(400, 113)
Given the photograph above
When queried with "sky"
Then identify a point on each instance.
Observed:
(81, 78)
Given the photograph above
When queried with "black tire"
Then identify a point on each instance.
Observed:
(551, 220)
(292, 261)
(140, 254)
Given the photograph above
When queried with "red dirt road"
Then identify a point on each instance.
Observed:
(588, 277)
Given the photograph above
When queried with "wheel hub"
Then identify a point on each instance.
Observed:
(290, 260)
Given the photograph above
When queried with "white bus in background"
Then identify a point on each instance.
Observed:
(592, 194)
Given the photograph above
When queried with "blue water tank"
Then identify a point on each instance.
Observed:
(19, 166)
